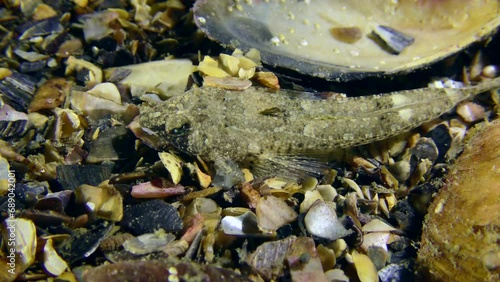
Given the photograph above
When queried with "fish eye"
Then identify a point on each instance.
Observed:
(180, 130)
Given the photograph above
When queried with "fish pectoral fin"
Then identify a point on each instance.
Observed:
(291, 167)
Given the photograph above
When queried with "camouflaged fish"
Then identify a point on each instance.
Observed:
(259, 126)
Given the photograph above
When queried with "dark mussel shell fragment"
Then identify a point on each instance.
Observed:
(17, 90)
(297, 35)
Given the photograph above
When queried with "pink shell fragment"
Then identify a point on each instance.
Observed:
(149, 190)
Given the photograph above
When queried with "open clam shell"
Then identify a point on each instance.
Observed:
(348, 39)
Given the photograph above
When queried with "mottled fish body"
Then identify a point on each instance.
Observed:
(260, 124)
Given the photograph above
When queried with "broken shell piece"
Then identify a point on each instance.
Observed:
(354, 186)
(364, 267)
(393, 39)
(151, 215)
(320, 221)
(336, 275)
(210, 67)
(203, 178)
(327, 257)
(105, 201)
(202, 206)
(377, 225)
(25, 240)
(72, 176)
(52, 262)
(83, 241)
(379, 239)
(70, 47)
(347, 34)
(148, 243)
(304, 262)
(67, 126)
(4, 176)
(164, 78)
(273, 212)
(54, 201)
(310, 197)
(228, 83)
(470, 112)
(151, 189)
(50, 95)
(378, 256)
(268, 259)
(267, 79)
(94, 107)
(243, 225)
(95, 73)
(13, 123)
(112, 144)
(107, 91)
(173, 164)
(30, 56)
(327, 192)
(4, 72)
(200, 194)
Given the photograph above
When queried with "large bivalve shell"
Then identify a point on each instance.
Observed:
(340, 40)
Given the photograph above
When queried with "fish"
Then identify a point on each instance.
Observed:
(269, 130)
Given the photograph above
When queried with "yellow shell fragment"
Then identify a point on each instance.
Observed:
(52, 262)
(230, 64)
(95, 73)
(4, 176)
(105, 201)
(173, 164)
(364, 267)
(212, 71)
(203, 178)
(235, 65)
(24, 233)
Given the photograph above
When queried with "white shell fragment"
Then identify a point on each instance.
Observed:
(327, 192)
(243, 225)
(310, 197)
(320, 221)
(107, 91)
(378, 239)
(272, 213)
(173, 164)
(148, 243)
(93, 106)
(160, 77)
(377, 225)
(52, 262)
